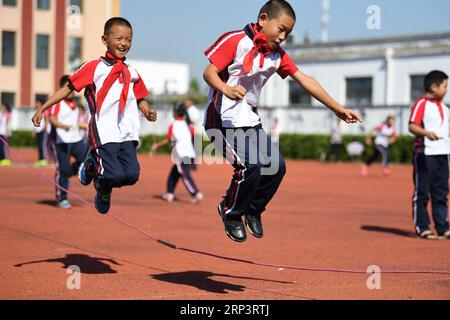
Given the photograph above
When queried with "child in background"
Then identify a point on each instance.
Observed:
(429, 122)
(40, 133)
(336, 141)
(385, 136)
(5, 132)
(64, 117)
(180, 134)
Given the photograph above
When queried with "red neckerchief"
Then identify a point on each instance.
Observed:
(71, 103)
(261, 46)
(119, 71)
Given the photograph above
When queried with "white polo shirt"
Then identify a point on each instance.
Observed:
(384, 133)
(109, 125)
(432, 115)
(180, 133)
(67, 113)
(5, 118)
(228, 54)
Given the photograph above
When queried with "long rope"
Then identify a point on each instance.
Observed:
(206, 253)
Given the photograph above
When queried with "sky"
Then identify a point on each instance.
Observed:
(179, 30)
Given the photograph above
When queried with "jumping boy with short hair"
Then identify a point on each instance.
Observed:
(240, 64)
(113, 92)
(429, 122)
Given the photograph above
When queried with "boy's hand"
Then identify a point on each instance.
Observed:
(37, 118)
(349, 116)
(432, 136)
(151, 115)
(235, 93)
(153, 149)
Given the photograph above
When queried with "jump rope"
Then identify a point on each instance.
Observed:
(206, 253)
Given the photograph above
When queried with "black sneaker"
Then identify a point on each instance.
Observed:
(86, 172)
(254, 225)
(234, 227)
(103, 202)
(445, 236)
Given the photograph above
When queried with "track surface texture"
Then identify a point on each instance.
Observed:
(323, 216)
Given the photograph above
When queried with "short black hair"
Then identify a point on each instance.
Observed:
(273, 8)
(64, 79)
(116, 21)
(434, 77)
(180, 110)
(7, 106)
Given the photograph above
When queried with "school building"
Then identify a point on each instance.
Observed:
(43, 39)
(377, 77)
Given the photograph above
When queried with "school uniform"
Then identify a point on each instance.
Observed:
(383, 134)
(431, 167)
(67, 144)
(235, 126)
(181, 134)
(112, 90)
(42, 139)
(5, 118)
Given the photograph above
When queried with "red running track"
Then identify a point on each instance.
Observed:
(324, 216)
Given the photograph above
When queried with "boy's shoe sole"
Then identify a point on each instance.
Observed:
(445, 236)
(229, 234)
(65, 205)
(87, 179)
(251, 220)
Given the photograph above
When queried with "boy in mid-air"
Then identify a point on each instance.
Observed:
(114, 94)
(240, 64)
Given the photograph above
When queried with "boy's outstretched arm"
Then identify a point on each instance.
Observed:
(211, 76)
(61, 94)
(149, 113)
(316, 90)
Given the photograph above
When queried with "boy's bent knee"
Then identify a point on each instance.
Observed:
(132, 179)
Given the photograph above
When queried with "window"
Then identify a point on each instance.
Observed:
(9, 98)
(298, 95)
(77, 3)
(10, 3)
(8, 48)
(43, 4)
(74, 53)
(42, 51)
(417, 87)
(41, 97)
(359, 91)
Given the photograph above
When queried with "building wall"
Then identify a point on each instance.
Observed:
(42, 79)
(162, 77)
(405, 67)
(10, 20)
(59, 23)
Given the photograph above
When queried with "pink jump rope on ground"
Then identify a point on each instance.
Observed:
(205, 253)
